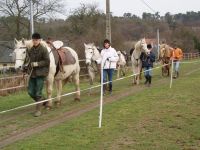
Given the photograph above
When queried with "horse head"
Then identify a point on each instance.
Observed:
(122, 60)
(91, 53)
(143, 45)
(164, 51)
(20, 53)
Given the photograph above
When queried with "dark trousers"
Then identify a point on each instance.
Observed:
(35, 87)
(148, 74)
(108, 73)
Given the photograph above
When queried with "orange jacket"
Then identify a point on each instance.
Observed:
(177, 54)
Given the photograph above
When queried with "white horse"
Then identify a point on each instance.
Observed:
(91, 55)
(73, 70)
(140, 47)
(121, 64)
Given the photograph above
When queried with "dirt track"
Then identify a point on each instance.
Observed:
(77, 112)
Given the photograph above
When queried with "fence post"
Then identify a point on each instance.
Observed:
(101, 96)
(172, 70)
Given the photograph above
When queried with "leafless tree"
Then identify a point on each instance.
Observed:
(19, 9)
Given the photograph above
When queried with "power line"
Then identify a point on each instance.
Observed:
(145, 3)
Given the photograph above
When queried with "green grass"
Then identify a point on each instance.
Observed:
(156, 118)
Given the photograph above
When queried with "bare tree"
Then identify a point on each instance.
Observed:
(19, 9)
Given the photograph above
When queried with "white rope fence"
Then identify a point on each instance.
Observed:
(12, 88)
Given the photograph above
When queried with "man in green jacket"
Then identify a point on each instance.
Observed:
(39, 61)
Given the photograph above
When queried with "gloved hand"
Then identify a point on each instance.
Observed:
(34, 64)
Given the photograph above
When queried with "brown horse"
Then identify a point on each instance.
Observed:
(164, 57)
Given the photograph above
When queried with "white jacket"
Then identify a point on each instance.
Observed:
(109, 58)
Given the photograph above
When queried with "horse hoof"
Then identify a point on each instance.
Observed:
(57, 104)
(44, 104)
(48, 107)
(77, 99)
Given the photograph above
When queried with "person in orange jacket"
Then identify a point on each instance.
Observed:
(177, 55)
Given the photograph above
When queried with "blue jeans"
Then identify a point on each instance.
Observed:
(148, 71)
(108, 73)
(176, 65)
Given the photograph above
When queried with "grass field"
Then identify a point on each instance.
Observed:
(154, 118)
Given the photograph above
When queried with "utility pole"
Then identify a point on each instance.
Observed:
(108, 36)
(108, 20)
(31, 18)
(158, 46)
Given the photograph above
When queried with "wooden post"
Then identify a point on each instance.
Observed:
(31, 18)
(158, 38)
(108, 20)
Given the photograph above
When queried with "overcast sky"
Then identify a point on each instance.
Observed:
(137, 7)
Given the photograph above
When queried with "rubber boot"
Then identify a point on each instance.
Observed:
(177, 74)
(38, 107)
(104, 89)
(147, 79)
(38, 110)
(110, 88)
(150, 81)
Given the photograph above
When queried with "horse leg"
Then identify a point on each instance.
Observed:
(91, 77)
(124, 70)
(168, 71)
(138, 79)
(49, 90)
(91, 84)
(134, 77)
(162, 71)
(77, 86)
(138, 75)
(59, 91)
(141, 74)
(118, 72)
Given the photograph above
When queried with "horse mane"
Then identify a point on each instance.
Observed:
(138, 49)
(138, 45)
(165, 50)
